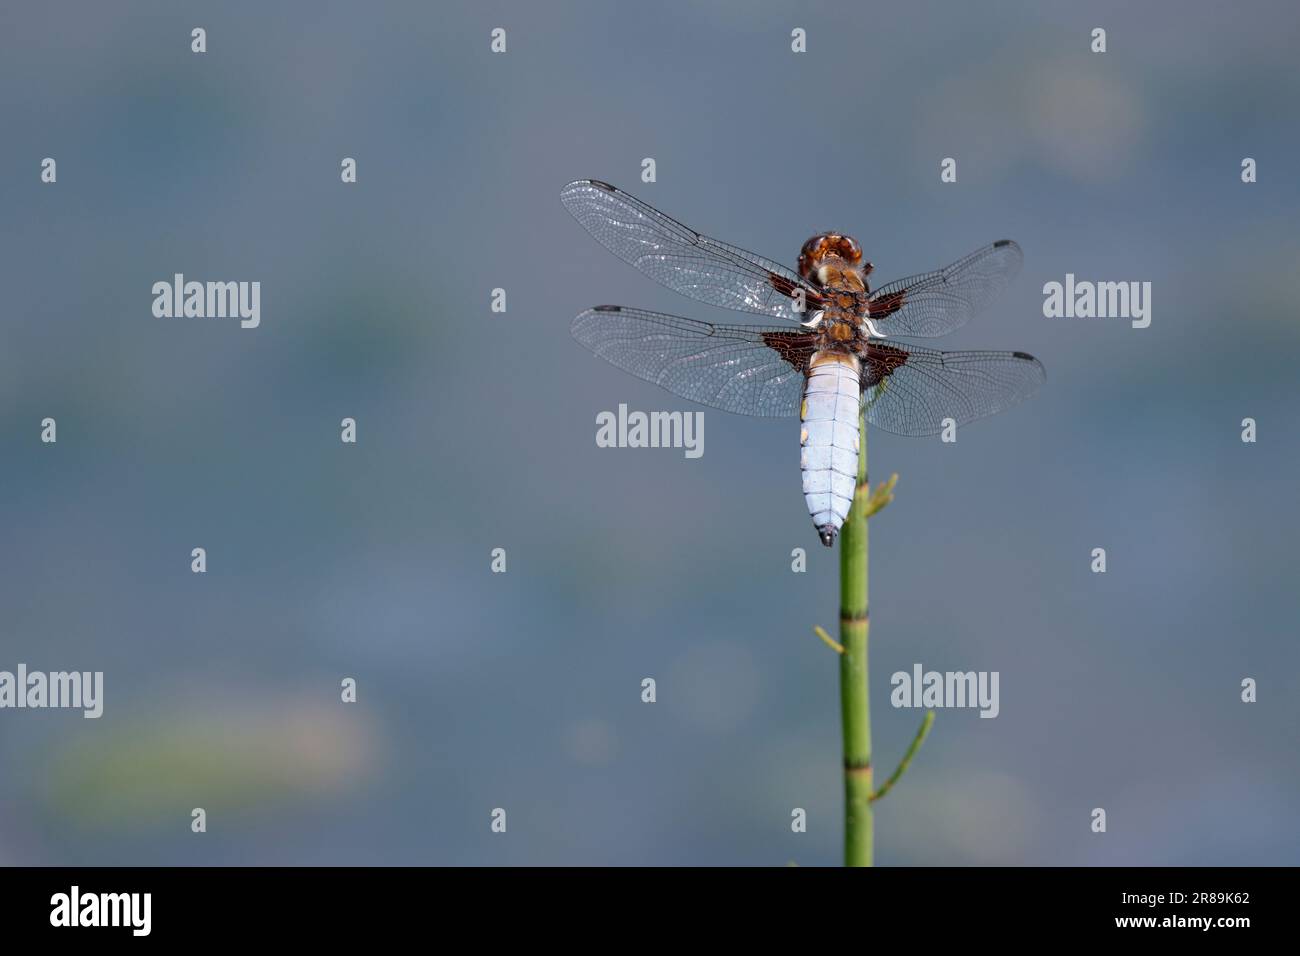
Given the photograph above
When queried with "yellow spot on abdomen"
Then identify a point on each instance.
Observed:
(841, 358)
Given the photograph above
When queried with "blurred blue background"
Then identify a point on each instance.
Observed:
(477, 430)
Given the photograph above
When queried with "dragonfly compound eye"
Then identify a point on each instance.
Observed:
(810, 256)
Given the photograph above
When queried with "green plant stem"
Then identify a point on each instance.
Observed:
(855, 711)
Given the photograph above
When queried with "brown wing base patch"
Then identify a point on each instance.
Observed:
(886, 304)
(812, 300)
(795, 348)
(881, 362)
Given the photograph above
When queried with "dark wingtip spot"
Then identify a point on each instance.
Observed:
(1001, 242)
(1024, 355)
(608, 308)
(601, 185)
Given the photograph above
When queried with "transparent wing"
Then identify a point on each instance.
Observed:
(681, 258)
(910, 390)
(744, 369)
(935, 303)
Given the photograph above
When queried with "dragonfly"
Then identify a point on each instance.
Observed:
(834, 358)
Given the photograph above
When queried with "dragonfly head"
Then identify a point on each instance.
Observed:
(825, 246)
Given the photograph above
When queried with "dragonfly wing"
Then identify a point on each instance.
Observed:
(910, 390)
(683, 259)
(935, 303)
(742, 369)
